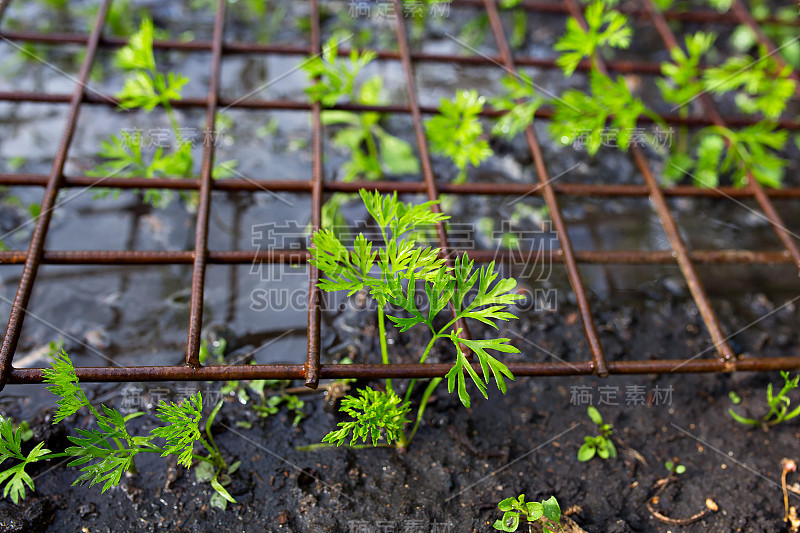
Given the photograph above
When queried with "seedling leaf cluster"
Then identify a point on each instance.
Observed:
(392, 274)
(104, 453)
(778, 405)
(547, 513)
(601, 444)
(146, 88)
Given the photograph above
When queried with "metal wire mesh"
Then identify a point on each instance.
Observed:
(36, 255)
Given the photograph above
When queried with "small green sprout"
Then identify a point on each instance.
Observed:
(374, 152)
(675, 468)
(15, 477)
(600, 445)
(378, 415)
(761, 85)
(547, 513)
(682, 81)
(778, 405)
(392, 274)
(108, 451)
(520, 102)
(270, 404)
(580, 114)
(146, 88)
(735, 398)
(606, 28)
(456, 131)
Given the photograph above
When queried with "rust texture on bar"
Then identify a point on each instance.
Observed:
(36, 247)
(552, 203)
(409, 187)
(770, 213)
(291, 105)
(296, 257)
(673, 233)
(204, 201)
(314, 300)
(379, 371)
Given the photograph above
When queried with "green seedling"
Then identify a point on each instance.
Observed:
(374, 153)
(456, 131)
(15, 477)
(600, 445)
(675, 468)
(109, 450)
(607, 27)
(146, 88)
(744, 39)
(585, 115)
(392, 274)
(547, 513)
(760, 85)
(757, 87)
(520, 103)
(270, 403)
(778, 405)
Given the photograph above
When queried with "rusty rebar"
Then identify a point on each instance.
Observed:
(570, 263)
(204, 199)
(36, 246)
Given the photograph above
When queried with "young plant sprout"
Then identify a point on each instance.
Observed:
(456, 132)
(600, 445)
(758, 86)
(374, 152)
(607, 27)
(146, 88)
(392, 274)
(718, 149)
(547, 513)
(108, 451)
(778, 405)
(675, 468)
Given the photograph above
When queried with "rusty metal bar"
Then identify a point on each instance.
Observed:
(552, 203)
(673, 234)
(241, 48)
(204, 200)
(317, 180)
(402, 187)
(753, 185)
(292, 105)
(293, 257)
(36, 247)
(379, 371)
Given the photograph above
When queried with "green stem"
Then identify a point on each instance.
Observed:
(215, 458)
(683, 132)
(313, 447)
(172, 119)
(384, 349)
(423, 404)
(371, 146)
(421, 360)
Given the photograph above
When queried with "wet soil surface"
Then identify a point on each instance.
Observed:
(462, 461)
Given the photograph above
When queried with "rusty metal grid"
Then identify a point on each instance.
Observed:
(724, 361)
